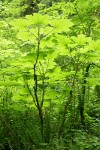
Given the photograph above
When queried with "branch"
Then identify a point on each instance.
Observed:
(36, 83)
(35, 75)
(30, 91)
(95, 65)
(43, 92)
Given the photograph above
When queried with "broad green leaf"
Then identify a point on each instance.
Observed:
(95, 45)
(24, 36)
(69, 7)
(51, 64)
(63, 40)
(37, 19)
(61, 25)
(19, 24)
(81, 39)
(46, 44)
(63, 51)
(52, 54)
(30, 57)
(30, 21)
(93, 57)
(47, 31)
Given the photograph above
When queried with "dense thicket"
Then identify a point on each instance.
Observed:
(49, 75)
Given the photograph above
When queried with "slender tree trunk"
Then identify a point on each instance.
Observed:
(82, 96)
(38, 104)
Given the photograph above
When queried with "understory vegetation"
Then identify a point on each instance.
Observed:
(49, 75)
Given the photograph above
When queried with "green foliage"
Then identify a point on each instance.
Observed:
(49, 75)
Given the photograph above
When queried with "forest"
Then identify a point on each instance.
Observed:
(49, 75)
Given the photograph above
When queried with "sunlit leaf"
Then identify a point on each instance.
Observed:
(61, 25)
(95, 45)
(38, 19)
